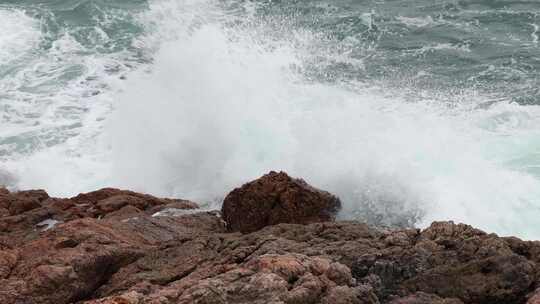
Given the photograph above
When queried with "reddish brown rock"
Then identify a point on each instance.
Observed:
(273, 278)
(22, 201)
(534, 297)
(124, 213)
(21, 213)
(131, 297)
(348, 295)
(8, 260)
(424, 298)
(451, 261)
(74, 261)
(114, 198)
(119, 253)
(277, 198)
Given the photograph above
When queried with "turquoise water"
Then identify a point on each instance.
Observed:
(411, 111)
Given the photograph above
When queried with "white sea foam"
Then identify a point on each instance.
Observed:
(534, 34)
(47, 224)
(218, 107)
(19, 34)
(215, 111)
(443, 46)
(54, 108)
(176, 212)
(416, 21)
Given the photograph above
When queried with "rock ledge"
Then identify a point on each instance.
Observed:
(110, 247)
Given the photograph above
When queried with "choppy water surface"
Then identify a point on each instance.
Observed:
(411, 111)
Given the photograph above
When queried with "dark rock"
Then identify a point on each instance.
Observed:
(452, 261)
(22, 201)
(3, 190)
(277, 198)
(424, 298)
(124, 213)
(534, 297)
(114, 197)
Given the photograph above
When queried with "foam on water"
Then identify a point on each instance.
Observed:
(534, 34)
(19, 35)
(416, 22)
(55, 102)
(219, 106)
(443, 46)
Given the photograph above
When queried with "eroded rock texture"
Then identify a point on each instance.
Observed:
(107, 247)
(277, 198)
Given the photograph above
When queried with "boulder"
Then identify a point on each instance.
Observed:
(277, 198)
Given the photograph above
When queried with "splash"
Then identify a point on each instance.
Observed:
(223, 96)
(534, 34)
(19, 35)
(218, 108)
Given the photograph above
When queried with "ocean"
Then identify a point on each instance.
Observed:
(410, 110)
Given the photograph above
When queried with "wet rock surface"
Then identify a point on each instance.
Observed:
(107, 247)
(277, 198)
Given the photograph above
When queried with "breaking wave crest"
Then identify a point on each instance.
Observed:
(222, 96)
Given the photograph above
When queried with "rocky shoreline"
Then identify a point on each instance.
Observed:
(274, 241)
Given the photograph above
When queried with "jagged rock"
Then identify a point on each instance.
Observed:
(22, 212)
(534, 297)
(17, 203)
(453, 261)
(424, 298)
(72, 262)
(3, 190)
(108, 248)
(277, 198)
(272, 278)
(108, 200)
